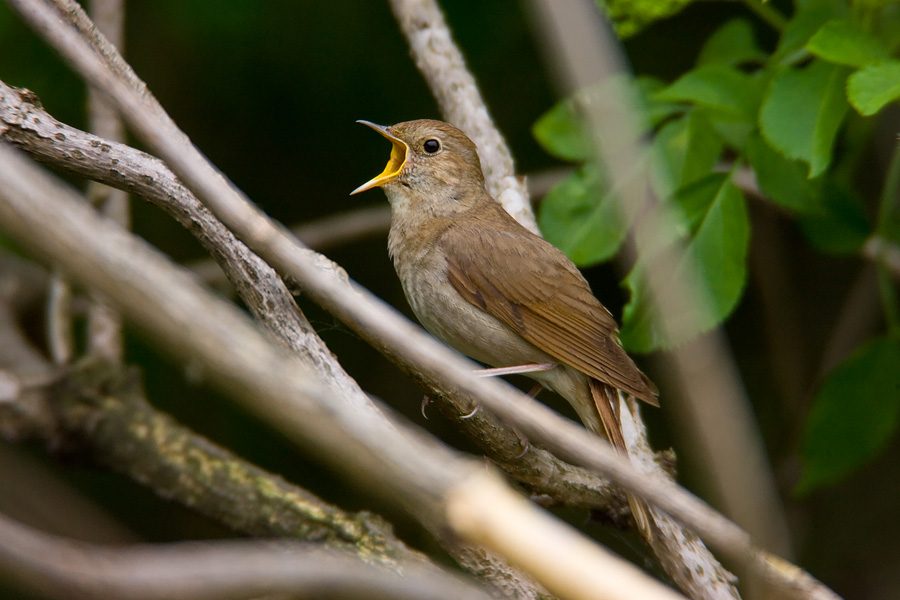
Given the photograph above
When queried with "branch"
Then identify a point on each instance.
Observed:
(63, 568)
(99, 409)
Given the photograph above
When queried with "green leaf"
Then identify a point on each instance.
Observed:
(841, 227)
(724, 89)
(809, 18)
(870, 88)
(560, 131)
(717, 218)
(782, 180)
(802, 112)
(630, 17)
(843, 43)
(731, 44)
(581, 219)
(689, 147)
(854, 414)
(657, 111)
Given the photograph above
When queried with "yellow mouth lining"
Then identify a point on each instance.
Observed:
(395, 164)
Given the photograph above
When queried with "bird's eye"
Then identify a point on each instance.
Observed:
(431, 146)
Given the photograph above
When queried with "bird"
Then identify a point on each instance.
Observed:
(487, 286)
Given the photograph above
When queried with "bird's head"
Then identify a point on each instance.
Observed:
(428, 157)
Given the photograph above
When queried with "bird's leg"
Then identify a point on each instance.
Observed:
(535, 390)
(515, 369)
(426, 400)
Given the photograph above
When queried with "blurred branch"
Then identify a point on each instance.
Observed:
(104, 329)
(99, 409)
(42, 499)
(585, 52)
(342, 228)
(416, 474)
(580, 56)
(875, 249)
(60, 330)
(457, 95)
(63, 568)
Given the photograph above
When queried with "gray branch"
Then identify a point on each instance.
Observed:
(64, 568)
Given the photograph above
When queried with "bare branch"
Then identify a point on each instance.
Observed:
(99, 410)
(63, 568)
(60, 333)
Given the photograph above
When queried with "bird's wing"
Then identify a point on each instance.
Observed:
(546, 301)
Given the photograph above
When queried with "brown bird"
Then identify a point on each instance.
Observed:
(487, 286)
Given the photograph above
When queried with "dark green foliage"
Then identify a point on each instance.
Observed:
(854, 415)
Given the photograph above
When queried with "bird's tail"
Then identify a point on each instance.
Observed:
(606, 399)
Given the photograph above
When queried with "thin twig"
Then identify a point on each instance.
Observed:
(63, 568)
(60, 329)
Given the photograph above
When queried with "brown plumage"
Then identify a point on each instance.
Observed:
(487, 286)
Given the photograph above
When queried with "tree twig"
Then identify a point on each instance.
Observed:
(63, 568)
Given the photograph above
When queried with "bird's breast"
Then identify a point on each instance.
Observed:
(450, 317)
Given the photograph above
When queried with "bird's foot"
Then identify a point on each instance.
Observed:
(470, 415)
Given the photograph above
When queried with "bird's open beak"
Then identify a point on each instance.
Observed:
(395, 164)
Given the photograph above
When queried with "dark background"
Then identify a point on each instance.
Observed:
(270, 92)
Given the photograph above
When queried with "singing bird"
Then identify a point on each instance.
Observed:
(487, 286)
